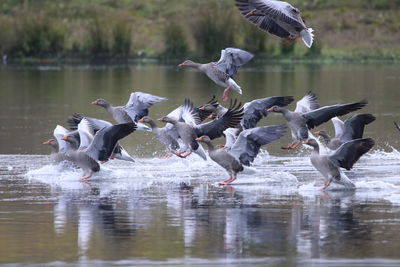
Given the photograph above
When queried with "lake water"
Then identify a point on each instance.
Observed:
(171, 212)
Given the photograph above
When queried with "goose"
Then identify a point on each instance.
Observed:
(186, 125)
(137, 107)
(276, 17)
(96, 125)
(223, 71)
(301, 122)
(98, 147)
(244, 150)
(344, 157)
(350, 129)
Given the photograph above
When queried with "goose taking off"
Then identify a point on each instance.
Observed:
(344, 157)
(301, 122)
(352, 128)
(137, 107)
(186, 125)
(276, 17)
(96, 125)
(223, 71)
(244, 150)
(99, 147)
(253, 112)
(60, 149)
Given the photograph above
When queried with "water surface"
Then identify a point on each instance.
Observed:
(172, 211)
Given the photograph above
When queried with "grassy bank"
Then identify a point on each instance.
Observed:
(128, 30)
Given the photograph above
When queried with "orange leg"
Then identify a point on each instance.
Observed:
(326, 185)
(180, 154)
(230, 180)
(225, 97)
(87, 176)
(296, 144)
(292, 145)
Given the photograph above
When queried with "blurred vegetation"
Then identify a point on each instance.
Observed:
(181, 28)
(175, 41)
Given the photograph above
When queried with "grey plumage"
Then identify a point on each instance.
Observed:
(276, 17)
(255, 110)
(244, 150)
(96, 125)
(162, 134)
(215, 128)
(301, 123)
(344, 157)
(98, 147)
(353, 128)
(137, 107)
(224, 70)
(249, 142)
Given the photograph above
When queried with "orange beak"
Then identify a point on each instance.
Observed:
(317, 132)
(46, 143)
(94, 102)
(220, 146)
(141, 120)
(161, 119)
(181, 65)
(305, 142)
(199, 139)
(211, 117)
(65, 138)
(270, 109)
(201, 108)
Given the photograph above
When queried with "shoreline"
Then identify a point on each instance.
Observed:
(112, 60)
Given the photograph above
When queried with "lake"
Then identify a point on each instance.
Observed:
(172, 211)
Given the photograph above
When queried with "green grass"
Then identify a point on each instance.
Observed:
(199, 29)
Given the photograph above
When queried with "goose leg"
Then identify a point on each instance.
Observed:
(227, 181)
(87, 176)
(180, 154)
(230, 180)
(292, 145)
(187, 155)
(289, 146)
(295, 144)
(225, 97)
(326, 185)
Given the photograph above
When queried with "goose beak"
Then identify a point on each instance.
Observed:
(94, 102)
(141, 120)
(64, 138)
(46, 143)
(202, 108)
(161, 119)
(211, 117)
(317, 132)
(305, 142)
(270, 109)
(181, 65)
(199, 139)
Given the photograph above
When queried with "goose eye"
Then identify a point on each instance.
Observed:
(295, 10)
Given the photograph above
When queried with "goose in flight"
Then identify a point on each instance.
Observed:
(278, 18)
(223, 71)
